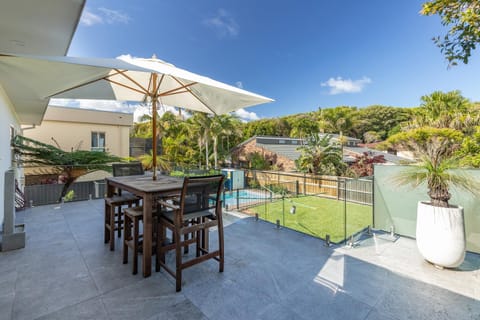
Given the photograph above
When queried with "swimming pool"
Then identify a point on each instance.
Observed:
(245, 197)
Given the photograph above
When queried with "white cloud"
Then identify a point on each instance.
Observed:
(339, 85)
(89, 18)
(144, 109)
(114, 16)
(223, 24)
(239, 84)
(102, 16)
(245, 115)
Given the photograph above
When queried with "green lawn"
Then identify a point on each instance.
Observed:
(317, 216)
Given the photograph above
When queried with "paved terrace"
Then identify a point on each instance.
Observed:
(66, 272)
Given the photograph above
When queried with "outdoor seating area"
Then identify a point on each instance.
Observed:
(66, 271)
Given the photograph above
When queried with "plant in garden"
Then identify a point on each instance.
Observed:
(70, 165)
(363, 166)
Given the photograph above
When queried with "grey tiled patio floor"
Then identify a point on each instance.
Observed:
(66, 272)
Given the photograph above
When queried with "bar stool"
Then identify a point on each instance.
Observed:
(114, 213)
(132, 237)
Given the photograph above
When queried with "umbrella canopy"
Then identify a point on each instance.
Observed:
(127, 79)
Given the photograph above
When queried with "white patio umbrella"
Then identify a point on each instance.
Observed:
(130, 79)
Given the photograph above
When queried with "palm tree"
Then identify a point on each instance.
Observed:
(436, 150)
(203, 121)
(147, 161)
(320, 156)
(222, 125)
(446, 110)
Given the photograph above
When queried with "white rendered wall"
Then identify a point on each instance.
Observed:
(7, 120)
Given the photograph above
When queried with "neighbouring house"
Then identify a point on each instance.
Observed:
(282, 152)
(278, 151)
(37, 28)
(84, 129)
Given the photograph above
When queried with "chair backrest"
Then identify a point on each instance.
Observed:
(201, 193)
(127, 169)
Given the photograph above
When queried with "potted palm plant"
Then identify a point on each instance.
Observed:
(440, 232)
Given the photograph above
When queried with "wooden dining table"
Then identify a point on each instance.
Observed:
(148, 189)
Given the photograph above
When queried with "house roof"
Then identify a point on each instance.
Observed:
(80, 115)
(289, 148)
(391, 158)
(40, 28)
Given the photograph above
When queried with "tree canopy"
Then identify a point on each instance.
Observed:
(463, 19)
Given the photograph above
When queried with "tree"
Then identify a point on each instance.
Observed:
(320, 156)
(70, 164)
(469, 154)
(203, 122)
(446, 110)
(258, 162)
(379, 119)
(463, 19)
(147, 162)
(336, 120)
(303, 126)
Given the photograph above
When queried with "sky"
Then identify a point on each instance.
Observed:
(304, 54)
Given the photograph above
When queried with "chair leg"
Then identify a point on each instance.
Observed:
(178, 259)
(112, 227)
(220, 243)
(135, 245)
(160, 253)
(106, 222)
(120, 221)
(127, 235)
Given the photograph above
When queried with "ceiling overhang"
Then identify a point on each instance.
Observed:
(41, 28)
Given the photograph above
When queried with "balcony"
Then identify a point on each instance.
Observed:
(66, 272)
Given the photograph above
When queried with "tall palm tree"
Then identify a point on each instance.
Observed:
(221, 125)
(320, 156)
(202, 122)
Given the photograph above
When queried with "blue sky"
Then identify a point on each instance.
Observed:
(304, 54)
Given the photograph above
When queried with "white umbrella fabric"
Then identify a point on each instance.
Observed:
(129, 79)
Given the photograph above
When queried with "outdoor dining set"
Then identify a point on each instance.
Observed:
(156, 214)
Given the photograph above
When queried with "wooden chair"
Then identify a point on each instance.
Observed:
(132, 237)
(199, 208)
(114, 204)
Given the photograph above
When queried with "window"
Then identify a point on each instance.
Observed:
(98, 141)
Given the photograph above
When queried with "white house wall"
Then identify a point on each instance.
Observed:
(8, 119)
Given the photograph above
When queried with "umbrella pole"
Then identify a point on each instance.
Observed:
(154, 126)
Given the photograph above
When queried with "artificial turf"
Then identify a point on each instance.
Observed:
(317, 216)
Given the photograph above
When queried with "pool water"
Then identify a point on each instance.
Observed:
(244, 196)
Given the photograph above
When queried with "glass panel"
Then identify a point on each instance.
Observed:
(313, 205)
(397, 206)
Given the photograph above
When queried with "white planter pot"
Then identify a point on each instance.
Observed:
(441, 234)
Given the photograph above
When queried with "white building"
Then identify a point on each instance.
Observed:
(29, 27)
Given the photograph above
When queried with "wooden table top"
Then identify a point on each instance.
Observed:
(145, 183)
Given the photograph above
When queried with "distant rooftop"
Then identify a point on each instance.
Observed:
(288, 147)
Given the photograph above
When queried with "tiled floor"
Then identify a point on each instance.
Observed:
(66, 272)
